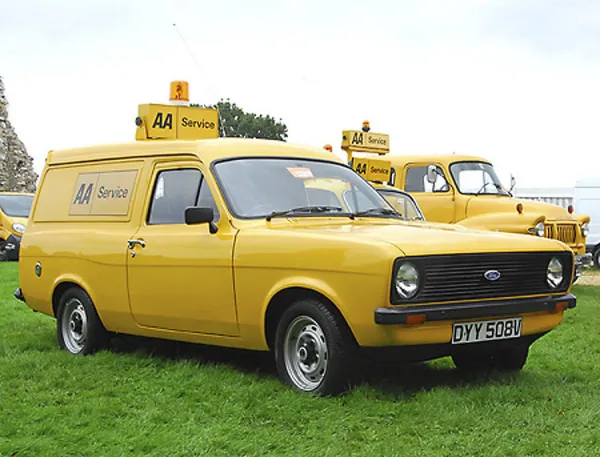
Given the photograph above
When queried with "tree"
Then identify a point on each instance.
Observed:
(234, 122)
(16, 166)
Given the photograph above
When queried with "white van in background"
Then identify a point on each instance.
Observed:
(587, 201)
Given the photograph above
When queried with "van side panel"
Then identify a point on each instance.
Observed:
(78, 232)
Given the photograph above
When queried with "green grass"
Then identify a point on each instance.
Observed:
(146, 397)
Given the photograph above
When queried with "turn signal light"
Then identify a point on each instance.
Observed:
(520, 208)
(415, 319)
(561, 306)
(570, 209)
(328, 147)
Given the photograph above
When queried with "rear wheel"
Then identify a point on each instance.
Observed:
(79, 328)
(596, 256)
(314, 349)
(506, 360)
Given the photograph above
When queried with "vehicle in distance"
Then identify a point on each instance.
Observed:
(14, 210)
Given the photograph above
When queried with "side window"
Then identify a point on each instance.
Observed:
(206, 200)
(174, 191)
(416, 181)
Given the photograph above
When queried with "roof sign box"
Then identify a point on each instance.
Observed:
(356, 140)
(168, 122)
(375, 170)
(177, 120)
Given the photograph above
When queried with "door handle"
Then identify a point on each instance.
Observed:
(132, 243)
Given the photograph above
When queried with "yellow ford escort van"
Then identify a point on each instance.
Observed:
(228, 242)
(14, 210)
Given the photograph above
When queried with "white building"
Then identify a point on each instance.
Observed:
(560, 196)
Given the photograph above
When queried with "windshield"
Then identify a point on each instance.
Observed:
(403, 203)
(476, 178)
(16, 205)
(259, 187)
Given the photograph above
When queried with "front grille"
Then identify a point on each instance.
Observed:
(567, 233)
(461, 277)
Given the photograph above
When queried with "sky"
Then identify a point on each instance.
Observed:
(514, 81)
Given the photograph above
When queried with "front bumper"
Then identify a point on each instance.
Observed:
(13, 243)
(398, 315)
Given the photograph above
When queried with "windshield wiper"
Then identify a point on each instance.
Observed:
(304, 209)
(482, 188)
(376, 211)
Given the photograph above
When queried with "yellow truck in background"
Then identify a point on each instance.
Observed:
(465, 190)
(14, 211)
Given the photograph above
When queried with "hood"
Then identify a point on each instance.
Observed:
(415, 239)
(482, 204)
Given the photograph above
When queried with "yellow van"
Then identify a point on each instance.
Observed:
(225, 242)
(14, 210)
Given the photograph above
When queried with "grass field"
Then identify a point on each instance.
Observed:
(146, 397)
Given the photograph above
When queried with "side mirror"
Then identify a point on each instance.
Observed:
(199, 215)
(431, 174)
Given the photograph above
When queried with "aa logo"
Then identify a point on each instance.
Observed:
(357, 138)
(84, 194)
(361, 168)
(161, 122)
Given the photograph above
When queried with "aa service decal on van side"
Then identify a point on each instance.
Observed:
(103, 193)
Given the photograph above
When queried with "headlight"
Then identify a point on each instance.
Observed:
(585, 229)
(554, 273)
(539, 229)
(407, 281)
(19, 228)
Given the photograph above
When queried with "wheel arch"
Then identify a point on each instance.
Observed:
(64, 283)
(284, 297)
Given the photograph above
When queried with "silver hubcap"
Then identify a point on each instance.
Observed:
(305, 353)
(74, 326)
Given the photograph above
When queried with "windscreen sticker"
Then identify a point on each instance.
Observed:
(298, 172)
(103, 193)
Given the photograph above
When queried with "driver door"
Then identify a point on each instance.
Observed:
(180, 276)
(435, 200)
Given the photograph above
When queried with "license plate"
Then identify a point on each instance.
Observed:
(476, 332)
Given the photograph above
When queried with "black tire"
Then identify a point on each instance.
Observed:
(596, 256)
(473, 363)
(79, 329)
(310, 329)
(505, 360)
(512, 359)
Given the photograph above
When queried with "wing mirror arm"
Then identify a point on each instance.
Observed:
(198, 215)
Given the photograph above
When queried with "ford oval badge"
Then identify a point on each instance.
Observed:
(492, 275)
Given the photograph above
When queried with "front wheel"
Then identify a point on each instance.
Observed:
(505, 360)
(79, 328)
(596, 257)
(314, 349)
